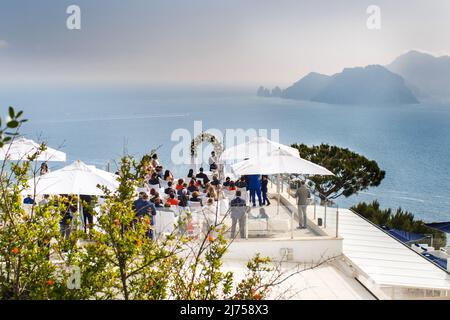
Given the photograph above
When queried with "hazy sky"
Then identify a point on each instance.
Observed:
(210, 41)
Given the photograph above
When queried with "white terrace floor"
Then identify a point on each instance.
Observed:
(273, 222)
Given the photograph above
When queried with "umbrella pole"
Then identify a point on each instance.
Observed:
(78, 208)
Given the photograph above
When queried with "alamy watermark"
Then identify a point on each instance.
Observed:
(192, 146)
(73, 21)
(374, 19)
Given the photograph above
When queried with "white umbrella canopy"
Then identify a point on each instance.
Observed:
(279, 161)
(20, 148)
(255, 148)
(76, 178)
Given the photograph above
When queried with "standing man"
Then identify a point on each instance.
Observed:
(238, 213)
(147, 208)
(302, 196)
(264, 183)
(87, 207)
(254, 185)
(212, 161)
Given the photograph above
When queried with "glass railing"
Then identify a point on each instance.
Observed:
(323, 213)
(280, 220)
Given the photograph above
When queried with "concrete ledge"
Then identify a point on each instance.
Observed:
(301, 250)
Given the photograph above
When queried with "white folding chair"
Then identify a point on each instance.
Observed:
(154, 186)
(164, 184)
(194, 204)
(165, 221)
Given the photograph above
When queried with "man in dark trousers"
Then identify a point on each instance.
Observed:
(144, 207)
(264, 183)
(87, 206)
(302, 196)
(238, 213)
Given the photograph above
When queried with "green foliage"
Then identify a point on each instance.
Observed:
(401, 220)
(353, 172)
(117, 259)
(26, 271)
(13, 123)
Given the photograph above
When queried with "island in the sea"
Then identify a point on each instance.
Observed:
(404, 81)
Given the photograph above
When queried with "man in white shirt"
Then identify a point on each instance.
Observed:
(212, 161)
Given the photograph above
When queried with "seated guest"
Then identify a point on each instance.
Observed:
(179, 185)
(192, 187)
(154, 197)
(184, 200)
(169, 188)
(159, 172)
(232, 186)
(154, 180)
(196, 197)
(202, 176)
(211, 193)
(157, 202)
(210, 218)
(172, 200)
(227, 182)
(28, 200)
(168, 176)
(183, 191)
(215, 181)
(191, 173)
(152, 192)
(241, 183)
(45, 200)
(166, 205)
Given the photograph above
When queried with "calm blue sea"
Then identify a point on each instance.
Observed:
(412, 143)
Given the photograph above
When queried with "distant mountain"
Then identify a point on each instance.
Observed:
(276, 92)
(427, 75)
(307, 87)
(267, 93)
(263, 92)
(373, 84)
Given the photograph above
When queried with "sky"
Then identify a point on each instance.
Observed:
(232, 42)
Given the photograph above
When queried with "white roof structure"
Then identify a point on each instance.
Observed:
(326, 282)
(76, 178)
(278, 161)
(384, 259)
(19, 149)
(255, 148)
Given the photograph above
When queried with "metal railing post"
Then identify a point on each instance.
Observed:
(315, 204)
(246, 225)
(337, 221)
(289, 187)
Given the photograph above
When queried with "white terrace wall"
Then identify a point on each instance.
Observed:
(304, 250)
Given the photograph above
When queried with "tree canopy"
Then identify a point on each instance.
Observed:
(353, 172)
(401, 220)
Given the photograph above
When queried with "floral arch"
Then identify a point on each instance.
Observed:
(206, 137)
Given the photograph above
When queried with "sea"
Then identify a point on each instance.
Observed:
(98, 124)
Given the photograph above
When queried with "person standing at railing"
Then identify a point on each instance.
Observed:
(264, 182)
(302, 196)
